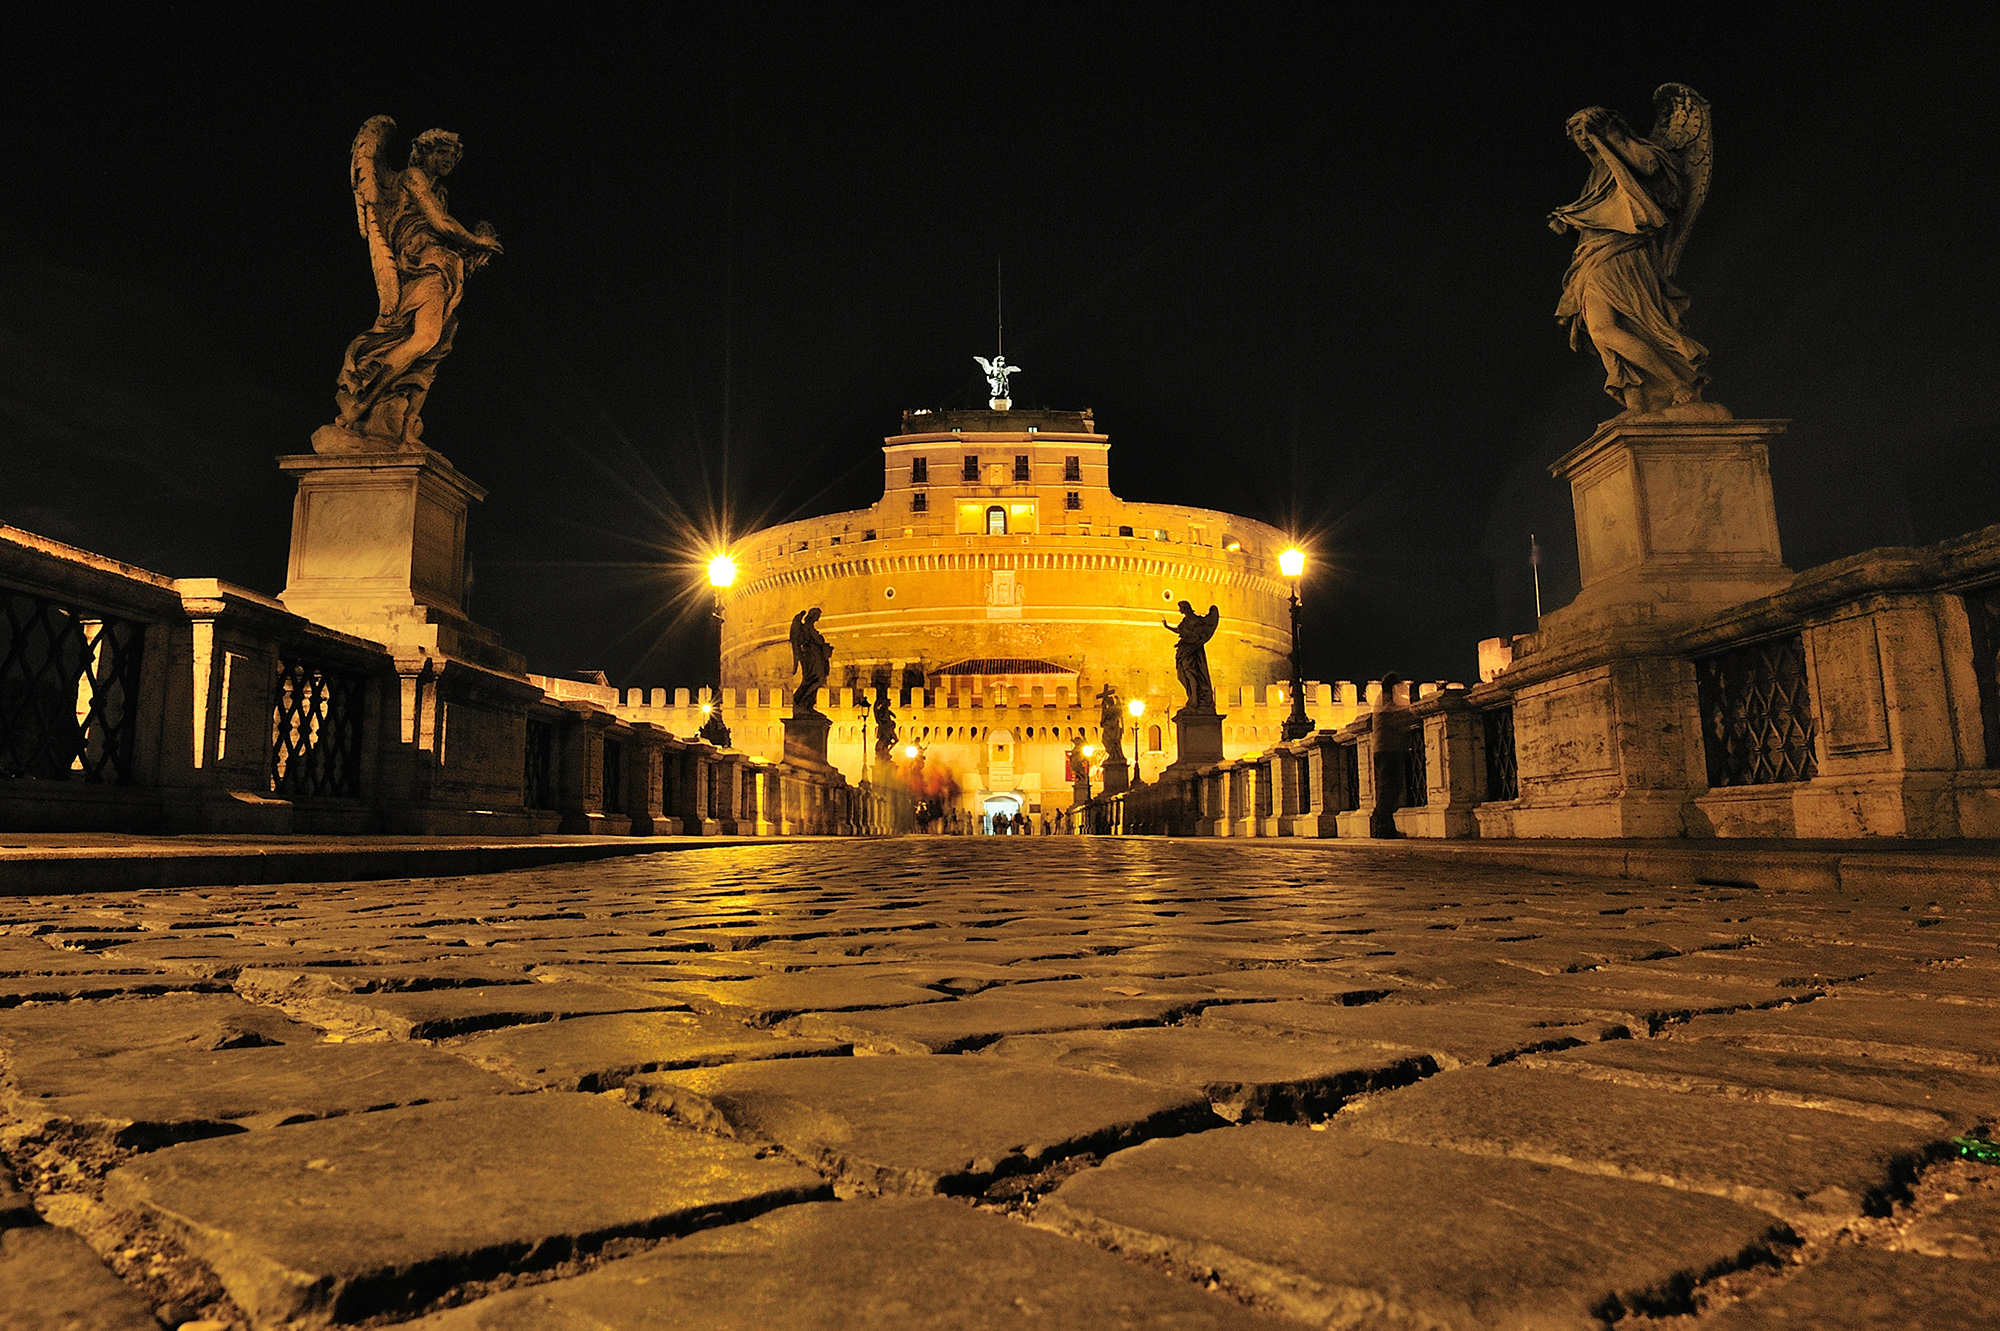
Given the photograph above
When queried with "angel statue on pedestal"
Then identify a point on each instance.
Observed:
(421, 255)
(812, 659)
(1632, 222)
(997, 372)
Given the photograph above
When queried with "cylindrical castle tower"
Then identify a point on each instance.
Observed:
(998, 551)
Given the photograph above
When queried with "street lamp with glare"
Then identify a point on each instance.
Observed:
(1137, 707)
(1292, 563)
(721, 573)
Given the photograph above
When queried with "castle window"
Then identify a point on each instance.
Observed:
(1073, 499)
(920, 470)
(996, 521)
(1159, 533)
(1021, 472)
(1124, 531)
(1072, 469)
(971, 472)
(1152, 739)
(919, 502)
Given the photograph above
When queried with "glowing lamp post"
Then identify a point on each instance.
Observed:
(1137, 707)
(1292, 563)
(721, 574)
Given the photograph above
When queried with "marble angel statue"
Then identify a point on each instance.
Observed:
(421, 255)
(997, 372)
(1632, 221)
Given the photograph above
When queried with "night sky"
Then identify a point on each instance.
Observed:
(1297, 266)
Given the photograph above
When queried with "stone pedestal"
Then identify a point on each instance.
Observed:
(378, 551)
(1674, 516)
(805, 740)
(1116, 774)
(1197, 738)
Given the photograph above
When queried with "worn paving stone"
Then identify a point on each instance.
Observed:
(1907, 1030)
(276, 980)
(1935, 1099)
(968, 1024)
(21, 957)
(1342, 1230)
(1816, 1170)
(50, 1280)
(1284, 1078)
(351, 1217)
(1869, 1289)
(1968, 1227)
(17, 990)
(919, 1124)
(769, 999)
(1455, 1035)
(150, 1071)
(599, 1053)
(433, 1014)
(887, 1264)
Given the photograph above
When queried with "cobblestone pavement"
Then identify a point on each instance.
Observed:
(999, 1083)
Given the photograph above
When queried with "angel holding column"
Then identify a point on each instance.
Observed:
(420, 255)
(1632, 222)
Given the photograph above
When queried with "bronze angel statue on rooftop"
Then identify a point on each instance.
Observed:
(1632, 222)
(421, 255)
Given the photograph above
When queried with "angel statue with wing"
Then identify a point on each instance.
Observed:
(997, 371)
(421, 255)
(812, 659)
(1632, 222)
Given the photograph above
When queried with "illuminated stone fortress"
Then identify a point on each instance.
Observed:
(996, 587)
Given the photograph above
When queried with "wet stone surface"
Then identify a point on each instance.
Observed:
(825, 1085)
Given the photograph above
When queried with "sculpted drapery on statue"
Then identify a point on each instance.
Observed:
(420, 255)
(1191, 656)
(1632, 222)
(812, 658)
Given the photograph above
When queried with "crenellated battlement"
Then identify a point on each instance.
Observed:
(1020, 737)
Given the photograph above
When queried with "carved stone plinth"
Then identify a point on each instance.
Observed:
(378, 550)
(1198, 737)
(1674, 516)
(1117, 774)
(805, 739)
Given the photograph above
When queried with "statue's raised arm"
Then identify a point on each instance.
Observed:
(1632, 221)
(419, 255)
(1191, 656)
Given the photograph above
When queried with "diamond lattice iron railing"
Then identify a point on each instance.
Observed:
(316, 732)
(1417, 793)
(1756, 714)
(1503, 775)
(69, 685)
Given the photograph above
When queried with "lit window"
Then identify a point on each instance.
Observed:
(996, 521)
